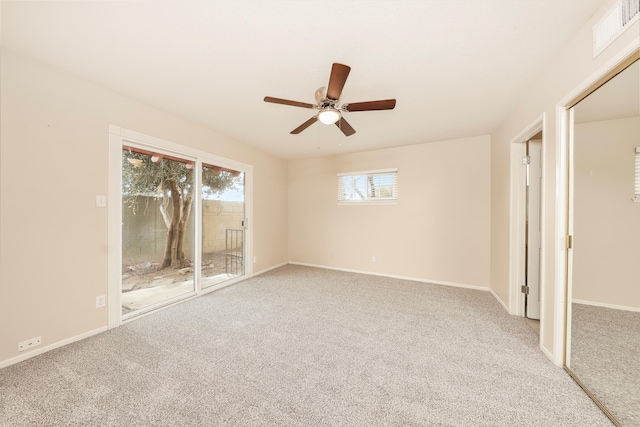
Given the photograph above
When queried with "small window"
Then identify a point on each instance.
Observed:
(368, 187)
(636, 197)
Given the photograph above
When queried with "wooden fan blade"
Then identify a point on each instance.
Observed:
(287, 102)
(305, 125)
(339, 74)
(385, 104)
(345, 127)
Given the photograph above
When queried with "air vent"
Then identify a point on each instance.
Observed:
(614, 23)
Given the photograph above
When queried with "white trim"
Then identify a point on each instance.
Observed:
(530, 130)
(505, 306)
(178, 149)
(568, 290)
(567, 344)
(636, 176)
(543, 231)
(517, 228)
(517, 217)
(114, 239)
(371, 172)
(607, 67)
(560, 238)
(383, 202)
(35, 352)
(547, 352)
(197, 228)
(393, 276)
(282, 264)
(607, 305)
(561, 195)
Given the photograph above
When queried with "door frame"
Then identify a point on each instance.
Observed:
(517, 235)
(117, 138)
(564, 223)
(534, 209)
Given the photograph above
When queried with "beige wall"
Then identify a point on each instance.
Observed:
(54, 161)
(606, 220)
(438, 231)
(54, 138)
(571, 69)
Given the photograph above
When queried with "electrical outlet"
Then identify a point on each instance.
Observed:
(255, 259)
(374, 259)
(100, 301)
(33, 342)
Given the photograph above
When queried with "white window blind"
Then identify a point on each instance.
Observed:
(368, 187)
(636, 197)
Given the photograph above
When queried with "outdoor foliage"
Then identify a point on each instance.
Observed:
(367, 187)
(170, 181)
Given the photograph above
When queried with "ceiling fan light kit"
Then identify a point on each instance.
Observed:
(327, 102)
(329, 115)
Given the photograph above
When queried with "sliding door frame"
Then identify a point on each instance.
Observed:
(119, 137)
(563, 194)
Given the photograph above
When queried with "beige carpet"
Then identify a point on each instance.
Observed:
(300, 346)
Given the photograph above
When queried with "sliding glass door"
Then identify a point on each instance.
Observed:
(158, 232)
(183, 222)
(178, 223)
(223, 220)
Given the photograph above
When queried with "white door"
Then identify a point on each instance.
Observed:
(534, 188)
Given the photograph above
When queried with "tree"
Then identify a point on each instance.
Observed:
(171, 181)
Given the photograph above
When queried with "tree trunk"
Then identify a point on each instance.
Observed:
(182, 227)
(163, 210)
(173, 230)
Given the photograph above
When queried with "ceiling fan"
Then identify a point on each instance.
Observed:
(327, 103)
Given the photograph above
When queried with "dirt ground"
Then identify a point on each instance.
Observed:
(146, 274)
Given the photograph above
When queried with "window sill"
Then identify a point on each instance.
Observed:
(368, 203)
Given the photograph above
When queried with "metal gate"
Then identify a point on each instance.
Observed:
(234, 252)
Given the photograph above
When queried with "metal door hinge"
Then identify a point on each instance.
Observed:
(526, 161)
(525, 289)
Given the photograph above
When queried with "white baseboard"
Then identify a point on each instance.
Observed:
(605, 305)
(393, 276)
(282, 264)
(505, 306)
(35, 352)
(550, 355)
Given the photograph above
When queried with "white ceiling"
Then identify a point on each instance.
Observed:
(456, 67)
